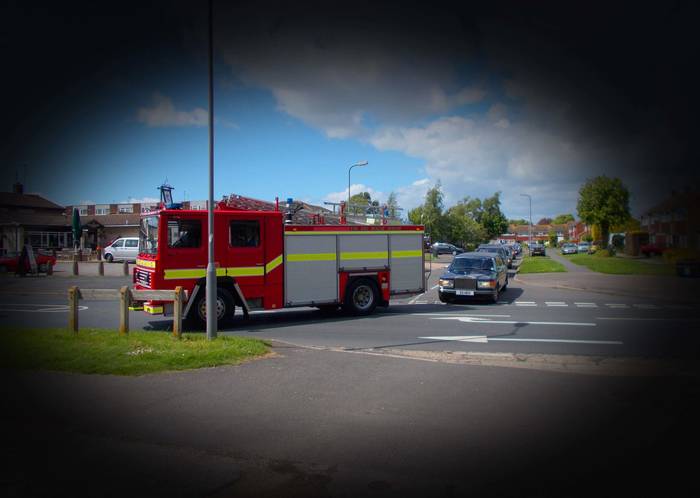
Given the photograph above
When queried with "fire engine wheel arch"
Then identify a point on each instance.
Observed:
(362, 296)
(225, 301)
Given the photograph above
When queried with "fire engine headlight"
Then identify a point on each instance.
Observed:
(486, 284)
(447, 283)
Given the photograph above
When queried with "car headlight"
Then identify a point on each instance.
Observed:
(486, 284)
(447, 283)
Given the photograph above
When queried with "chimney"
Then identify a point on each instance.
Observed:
(17, 188)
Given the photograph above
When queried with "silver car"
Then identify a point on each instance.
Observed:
(122, 249)
(569, 249)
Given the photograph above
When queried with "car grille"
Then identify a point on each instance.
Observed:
(143, 277)
(465, 283)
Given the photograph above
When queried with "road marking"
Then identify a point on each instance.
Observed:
(37, 308)
(631, 318)
(485, 340)
(616, 305)
(525, 303)
(646, 306)
(555, 303)
(434, 287)
(460, 314)
(477, 319)
(586, 305)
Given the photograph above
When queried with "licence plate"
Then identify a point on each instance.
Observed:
(462, 292)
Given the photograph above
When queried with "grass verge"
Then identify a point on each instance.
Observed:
(97, 351)
(621, 266)
(540, 264)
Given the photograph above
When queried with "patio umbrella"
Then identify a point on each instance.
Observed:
(77, 229)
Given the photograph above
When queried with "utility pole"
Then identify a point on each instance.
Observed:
(529, 231)
(210, 295)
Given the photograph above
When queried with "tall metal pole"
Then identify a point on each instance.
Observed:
(529, 231)
(211, 269)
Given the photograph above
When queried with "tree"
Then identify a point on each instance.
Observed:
(432, 213)
(603, 202)
(392, 204)
(464, 229)
(552, 238)
(545, 221)
(415, 215)
(492, 219)
(359, 201)
(563, 218)
(517, 222)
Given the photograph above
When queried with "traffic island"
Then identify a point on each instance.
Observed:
(99, 351)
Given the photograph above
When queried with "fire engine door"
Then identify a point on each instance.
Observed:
(246, 249)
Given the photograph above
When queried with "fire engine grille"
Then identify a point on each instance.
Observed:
(465, 283)
(143, 277)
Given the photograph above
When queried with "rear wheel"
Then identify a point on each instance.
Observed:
(109, 258)
(362, 297)
(225, 307)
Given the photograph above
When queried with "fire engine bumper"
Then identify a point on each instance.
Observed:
(157, 308)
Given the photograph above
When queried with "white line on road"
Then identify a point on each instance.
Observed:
(631, 318)
(555, 303)
(525, 303)
(485, 339)
(616, 305)
(586, 305)
(460, 314)
(475, 319)
(646, 306)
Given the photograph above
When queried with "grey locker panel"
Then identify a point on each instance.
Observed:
(311, 271)
(406, 263)
(363, 251)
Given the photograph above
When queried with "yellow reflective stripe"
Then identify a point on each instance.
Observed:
(407, 254)
(358, 232)
(176, 274)
(243, 271)
(364, 255)
(146, 263)
(326, 256)
(273, 264)
(152, 309)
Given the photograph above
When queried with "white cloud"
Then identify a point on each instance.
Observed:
(163, 114)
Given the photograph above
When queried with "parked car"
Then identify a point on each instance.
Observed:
(537, 248)
(10, 262)
(473, 275)
(584, 247)
(497, 249)
(569, 248)
(122, 249)
(444, 248)
(517, 248)
(651, 250)
(688, 267)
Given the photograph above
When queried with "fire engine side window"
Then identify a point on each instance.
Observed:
(184, 233)
(245, 233)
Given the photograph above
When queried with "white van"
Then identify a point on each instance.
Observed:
(122, 249)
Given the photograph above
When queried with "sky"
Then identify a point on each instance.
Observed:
(105, 103)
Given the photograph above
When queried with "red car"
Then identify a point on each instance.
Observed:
(10, 262)
(651, 250)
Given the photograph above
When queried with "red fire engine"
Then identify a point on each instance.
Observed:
(264, 263)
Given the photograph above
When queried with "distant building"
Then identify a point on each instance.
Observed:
(32, 219)
(573, 231)
(675, 222)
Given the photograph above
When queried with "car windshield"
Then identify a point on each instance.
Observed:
(464, 264)
(148, 235)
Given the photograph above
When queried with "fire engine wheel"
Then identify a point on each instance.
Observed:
(225, 307)
(361, 297)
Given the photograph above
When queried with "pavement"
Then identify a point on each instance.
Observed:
(310, 423)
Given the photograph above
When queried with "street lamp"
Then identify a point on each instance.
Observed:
(529, 231)
(361, 163)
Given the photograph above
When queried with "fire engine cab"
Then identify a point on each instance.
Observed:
(264, 263)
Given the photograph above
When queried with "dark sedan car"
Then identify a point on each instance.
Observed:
(537, 248)
(497, 249)
(444, 248)
(474, 274)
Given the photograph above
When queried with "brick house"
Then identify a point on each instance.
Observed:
(674, 222)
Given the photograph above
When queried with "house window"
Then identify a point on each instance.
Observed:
(82, 210)
(126, 208)
(146, 208)
(101, 209)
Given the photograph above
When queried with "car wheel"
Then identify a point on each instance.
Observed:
(225, 307)
(494, 297)
(361, 297)
(443, 298)
(109, 258)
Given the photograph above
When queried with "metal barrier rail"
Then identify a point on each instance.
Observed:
(126, 296)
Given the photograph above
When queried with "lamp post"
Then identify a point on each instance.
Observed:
(361, 163)
(529, 231)
(210, 288)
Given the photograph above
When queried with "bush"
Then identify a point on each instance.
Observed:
(674, 255)
(605, 253)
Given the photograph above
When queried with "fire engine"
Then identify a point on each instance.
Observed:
(265, 261)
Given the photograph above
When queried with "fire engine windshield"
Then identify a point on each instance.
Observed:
(148, 235)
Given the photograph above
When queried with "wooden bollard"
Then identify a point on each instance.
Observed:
(124, 302)
(177, 312)
(75, 264)
(73, 297)
(126, 268)
(101, 268)
(49, 269)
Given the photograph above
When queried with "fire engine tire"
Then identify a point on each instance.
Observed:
(109, 258)
(225, 307)
(361, 297)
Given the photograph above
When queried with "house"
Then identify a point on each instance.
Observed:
(674, 222)
(521, 233)
(32, 219)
